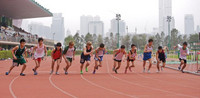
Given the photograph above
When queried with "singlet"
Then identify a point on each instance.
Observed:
(119, 55)
(57, 54)
(182, 51)
(39, 53)
(161, 55)
(87, 50)
(19, 52)
(149, 48)
(100, 52)
(133, 54)
(70, 52)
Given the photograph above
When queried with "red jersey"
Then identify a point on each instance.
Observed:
(57, 54)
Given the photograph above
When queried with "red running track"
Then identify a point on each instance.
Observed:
(104, 83)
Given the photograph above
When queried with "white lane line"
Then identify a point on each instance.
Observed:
(67, 93)
(155, 79)
(111, 90)
(117, 92)
(143, 85)
(10, 87)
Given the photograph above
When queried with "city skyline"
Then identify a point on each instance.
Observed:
(137, 14)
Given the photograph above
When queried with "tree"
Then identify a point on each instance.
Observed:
(94, 40)
(113, 43)
(99, 40)
(88, 37)
(126, 41)
(107, 43)
(193, 37)
(68, 39)
(78, 41)
(174, 38)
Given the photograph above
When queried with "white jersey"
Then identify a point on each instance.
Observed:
(119, 56)
(70, 52)
(39, 52)
(149, 48)
(183, 52)
(100, 52)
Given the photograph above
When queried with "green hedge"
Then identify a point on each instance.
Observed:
(5, 54)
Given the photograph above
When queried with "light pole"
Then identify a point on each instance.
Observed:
(169, 18)
(118, 17)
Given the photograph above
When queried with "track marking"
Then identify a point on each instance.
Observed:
(10, 87)
(111, 90)
(67, 93)
(60, 88)
(117, 92)
(142, 85)
(165, 81)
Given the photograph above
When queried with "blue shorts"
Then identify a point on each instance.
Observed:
(101, 58)
(84, 58)
(147, 56)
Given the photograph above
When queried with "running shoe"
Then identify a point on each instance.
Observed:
(51, 72)
(66, 73)
(143, 70)
(86, 69)
(7, 73)
(57, 73)
(81, 72)
(94, 71)
(22, 74)
(148, 71)
(113, 69)
(116, 71)
(179, 68)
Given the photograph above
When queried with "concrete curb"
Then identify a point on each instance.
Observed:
(194, 73)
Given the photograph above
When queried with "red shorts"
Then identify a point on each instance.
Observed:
(39, 59)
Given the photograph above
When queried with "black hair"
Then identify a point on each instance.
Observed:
(150, 40)
(160, 47)
(132, 45)
(122, 47)
(59, 44)
(185, 43)
(40, 39)
(22, 40)
(101, 45)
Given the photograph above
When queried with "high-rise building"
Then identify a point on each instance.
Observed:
(57, 27)
(40, 30)
(165, 9)
(198, 29)
(84, 21)
(189, 24)
(92, 25)
(114, 27)
(96, 27)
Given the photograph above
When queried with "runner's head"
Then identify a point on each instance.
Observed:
(160, 49)
(101, 46)
(71, 44)
(122, 48)
(40, 40)
(185, 45)
(150, 42)
(58, 45)
(22, 42)
(133, 47)
(89, 44)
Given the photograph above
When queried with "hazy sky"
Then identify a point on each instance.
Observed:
(136, 13)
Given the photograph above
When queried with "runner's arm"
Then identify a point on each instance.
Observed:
(13, 52)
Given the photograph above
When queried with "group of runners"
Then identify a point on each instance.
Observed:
(39, 52)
